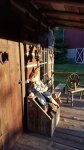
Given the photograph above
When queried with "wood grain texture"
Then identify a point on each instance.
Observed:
(10, 99)
(68, 135)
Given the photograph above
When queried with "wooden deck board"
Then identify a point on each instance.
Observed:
(69, 140)
(29, 142)
(69, 134)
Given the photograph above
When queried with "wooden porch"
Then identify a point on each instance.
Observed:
(69, 135)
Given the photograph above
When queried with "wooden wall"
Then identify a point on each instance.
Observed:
(10, 94)
(15, 27)
(30, 61)
(74, 38)
(15, 68)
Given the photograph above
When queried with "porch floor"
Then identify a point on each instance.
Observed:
(69, 134)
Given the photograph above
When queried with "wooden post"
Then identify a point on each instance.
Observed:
(22, 75)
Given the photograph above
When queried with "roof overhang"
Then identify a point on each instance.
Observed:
(62, 13)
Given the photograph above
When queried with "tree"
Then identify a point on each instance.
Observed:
(60, 48)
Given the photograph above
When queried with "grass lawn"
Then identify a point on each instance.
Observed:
(67, 68)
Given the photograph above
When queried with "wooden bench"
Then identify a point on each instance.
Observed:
(58, 89)
(71, 92)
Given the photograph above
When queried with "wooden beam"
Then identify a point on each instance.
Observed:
(55, 13)
(66, 26)
(62, 23)
(76, 3)
(70, 25)
(65, 21)
(27, 20)
(31, 9)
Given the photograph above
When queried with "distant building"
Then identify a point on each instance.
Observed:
(75, 41)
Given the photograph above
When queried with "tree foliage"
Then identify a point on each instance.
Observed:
(60, 48)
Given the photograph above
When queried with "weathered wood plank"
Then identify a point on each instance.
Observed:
(69, 135)
(71, 124)
(38, 119)
(28, 7)
(69, 140)
(68, 73)
(72, 113)
(10, 98)
(70, 132)
(42, 143)
(23, 147)
(76, 27)
(62, 21)
(63, 2)
(72, 116)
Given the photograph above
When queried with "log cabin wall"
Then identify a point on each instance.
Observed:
(24, 20)
(12, 33)
(30, 60)
(29, 64)
(10, 77)
(18, 61)
(15, 30)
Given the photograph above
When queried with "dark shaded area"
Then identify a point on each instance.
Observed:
(30, 56)
(3, 57)
(25, 129)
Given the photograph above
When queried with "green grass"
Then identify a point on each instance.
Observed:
(73, 68)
